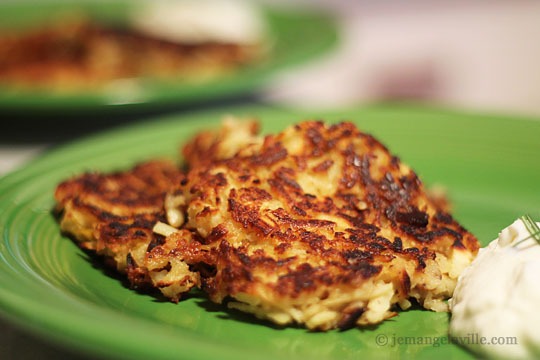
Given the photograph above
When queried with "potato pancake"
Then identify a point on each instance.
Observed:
(319, 225)
(81, 54)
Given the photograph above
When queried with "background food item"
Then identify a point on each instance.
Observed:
(200, 21)
(82, 54)
(498, 294)
(78, 52)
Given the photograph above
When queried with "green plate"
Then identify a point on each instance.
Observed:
(296, 36)
(489, 165)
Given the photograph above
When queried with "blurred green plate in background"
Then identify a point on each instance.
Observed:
(488, 164)
(296, 35)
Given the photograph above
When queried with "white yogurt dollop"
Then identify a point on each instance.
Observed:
(197, 21)
(497, 298)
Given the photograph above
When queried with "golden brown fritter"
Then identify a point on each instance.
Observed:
(114, 214)
(319, 225)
